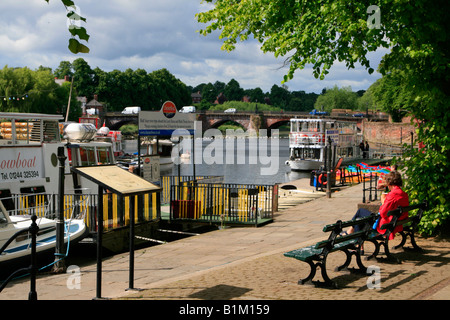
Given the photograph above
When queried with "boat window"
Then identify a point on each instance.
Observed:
(104, 155)
(5, 196)
(87, 156)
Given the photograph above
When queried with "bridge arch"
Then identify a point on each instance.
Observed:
(220, 122)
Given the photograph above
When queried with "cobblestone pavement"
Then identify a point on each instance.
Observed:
(248, 263)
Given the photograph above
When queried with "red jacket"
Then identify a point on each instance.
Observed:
(397, 197)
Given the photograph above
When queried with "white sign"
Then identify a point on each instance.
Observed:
(151, 168)
(165, 121)
(20, 164)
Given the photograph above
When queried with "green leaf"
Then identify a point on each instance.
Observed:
(67, 3)
(77, 47)
(80, 32)
(75, 16)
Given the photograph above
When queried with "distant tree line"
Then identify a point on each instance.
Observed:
(279, 96)
(38, 92)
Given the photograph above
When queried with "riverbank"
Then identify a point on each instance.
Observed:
(248, 264)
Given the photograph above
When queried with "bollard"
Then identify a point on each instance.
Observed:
(32, 295)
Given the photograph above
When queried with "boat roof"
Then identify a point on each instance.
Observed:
(34, 116)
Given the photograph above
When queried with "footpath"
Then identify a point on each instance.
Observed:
(248, 264)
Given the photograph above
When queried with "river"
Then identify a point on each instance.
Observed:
(243, 160)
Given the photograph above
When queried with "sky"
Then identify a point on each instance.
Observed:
(151, 35)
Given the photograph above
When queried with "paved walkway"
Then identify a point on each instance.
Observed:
(248, 263)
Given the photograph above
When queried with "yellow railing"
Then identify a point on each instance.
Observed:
(115, 214)
(222, 202)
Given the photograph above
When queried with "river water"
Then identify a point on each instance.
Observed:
(243, 160)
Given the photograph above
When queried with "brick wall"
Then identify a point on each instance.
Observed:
(388, 132)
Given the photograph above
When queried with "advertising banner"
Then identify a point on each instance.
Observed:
(165, 121)
(21, 164)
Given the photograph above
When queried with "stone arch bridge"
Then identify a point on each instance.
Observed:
(251, 122)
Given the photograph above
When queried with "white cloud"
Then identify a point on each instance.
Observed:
(150, 35)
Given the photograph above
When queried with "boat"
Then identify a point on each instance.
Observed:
(29, 175)
(308, 139)
(74, 231)
(30, 145)
(105, 134)
(162, 148)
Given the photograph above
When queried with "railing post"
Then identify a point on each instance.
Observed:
(99, 241)
(131, 262)
(364, 191)
(32, 295)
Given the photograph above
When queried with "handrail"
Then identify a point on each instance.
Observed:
(33, 229)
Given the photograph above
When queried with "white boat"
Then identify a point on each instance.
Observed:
(29, 174)
(152, 147)
(308, 138)
(28, 154)
(74, 230)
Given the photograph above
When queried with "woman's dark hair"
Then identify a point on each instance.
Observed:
(394, 178)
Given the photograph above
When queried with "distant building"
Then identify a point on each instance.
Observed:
(61, 81)
(246, 99)
(196, 97)
(220, 99)
(94, 104)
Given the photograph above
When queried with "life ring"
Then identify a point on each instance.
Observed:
(324, 183)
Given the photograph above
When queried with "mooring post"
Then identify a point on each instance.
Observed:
(32, 295)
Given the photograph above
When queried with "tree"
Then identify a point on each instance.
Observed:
(209, 93)
(25, 90)
(337, 98)
(256, 94)
(233, 91)
(391, 95)
(83, 78)
(64, 69)
(318, 33)
(279, 96)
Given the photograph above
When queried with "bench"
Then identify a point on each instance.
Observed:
(316, 255)
(409, 228)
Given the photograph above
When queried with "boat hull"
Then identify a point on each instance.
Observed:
(75, 230)
(304, 165)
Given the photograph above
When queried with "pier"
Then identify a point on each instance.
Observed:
(247, 263)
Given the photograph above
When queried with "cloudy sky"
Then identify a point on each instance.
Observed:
(151, 34)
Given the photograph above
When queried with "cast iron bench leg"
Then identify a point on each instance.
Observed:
(349, 253)
(313, 266)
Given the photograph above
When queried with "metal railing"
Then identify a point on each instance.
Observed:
(223, 203)
(370, 186)
(32, 269)
(116, 209)
(173, 180)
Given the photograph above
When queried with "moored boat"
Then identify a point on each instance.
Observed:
(308, 138)
(74, 230)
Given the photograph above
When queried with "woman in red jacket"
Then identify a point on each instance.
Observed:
(390, 201)
(394, 199)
